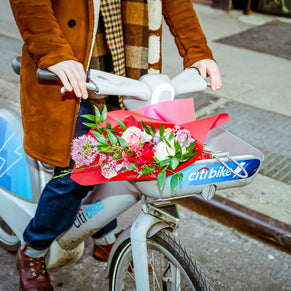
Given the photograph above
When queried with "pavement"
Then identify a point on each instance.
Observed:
(252, 82)
(242, 236)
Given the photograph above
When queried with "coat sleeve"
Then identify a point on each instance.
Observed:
(40, 31)
(185, 27)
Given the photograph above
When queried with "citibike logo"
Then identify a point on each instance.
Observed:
(206, 173)
(216, 172)
(87, 212)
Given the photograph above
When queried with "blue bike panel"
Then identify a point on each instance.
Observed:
(213, 173)
(14, 172)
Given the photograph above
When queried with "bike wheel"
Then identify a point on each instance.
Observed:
(171, 267)
(8, 240)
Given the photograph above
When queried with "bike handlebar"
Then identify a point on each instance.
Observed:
(149, 89)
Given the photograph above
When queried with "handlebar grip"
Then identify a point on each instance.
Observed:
(44, 74)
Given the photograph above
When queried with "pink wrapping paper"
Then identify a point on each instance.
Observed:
(175, 112)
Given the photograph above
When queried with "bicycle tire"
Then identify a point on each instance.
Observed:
(121, 276)
(8, 239)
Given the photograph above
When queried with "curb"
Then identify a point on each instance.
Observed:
(243, 219)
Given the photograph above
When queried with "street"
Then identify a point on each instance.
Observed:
(234, 261)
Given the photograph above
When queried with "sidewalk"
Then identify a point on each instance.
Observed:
(254, 81)
(250, 79)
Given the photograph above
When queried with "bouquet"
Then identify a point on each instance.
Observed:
(132, 145)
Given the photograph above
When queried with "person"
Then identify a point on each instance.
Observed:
(118, 36)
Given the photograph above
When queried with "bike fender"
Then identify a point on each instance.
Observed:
(125, 235)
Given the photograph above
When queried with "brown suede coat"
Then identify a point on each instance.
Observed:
(58, 30)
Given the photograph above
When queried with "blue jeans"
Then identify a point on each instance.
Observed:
(60, 200)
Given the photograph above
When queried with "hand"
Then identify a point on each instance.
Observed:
(72, 75)
(209, 67)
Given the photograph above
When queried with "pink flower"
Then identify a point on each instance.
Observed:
(181, 136)
(108, 166)
(84, 150)
(132, 136)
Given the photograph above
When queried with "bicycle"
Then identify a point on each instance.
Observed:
(147, 255)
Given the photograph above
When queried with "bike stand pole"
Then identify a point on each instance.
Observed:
(138, 237)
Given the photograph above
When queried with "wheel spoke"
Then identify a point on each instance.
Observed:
(170, 267)
(155, 277)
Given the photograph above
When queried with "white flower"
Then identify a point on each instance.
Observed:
(146, 137)
(163, 151)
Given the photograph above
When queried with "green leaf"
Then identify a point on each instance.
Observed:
(178, 155)
(121, 124)
(89, 117)
(99, 136)
(187, 157)
(97, 114)
(171, 136)
(185, 141)
(122, 142)
(124, 169)
(108, 125)
(164, 163)
(191, 146)
(101, 129)
(103, 147)
(147, 170)
(161, 179)
(174, 183)
(165, 141)
(153, 130)
(180, 176)
(112, 137)
(162, 130)
(145, 128)
(177, 146)
(132, 166)
(104, 114)
(174, 163)
(91, 125)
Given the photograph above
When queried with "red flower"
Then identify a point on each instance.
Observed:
(146, 154)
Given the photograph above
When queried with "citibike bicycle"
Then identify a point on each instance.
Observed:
(147, 255)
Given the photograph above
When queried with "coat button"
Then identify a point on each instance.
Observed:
(72, 23)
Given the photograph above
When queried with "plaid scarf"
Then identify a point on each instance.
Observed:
(128, 41)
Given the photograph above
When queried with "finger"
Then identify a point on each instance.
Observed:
(214, 85)
(212, 82)
(82, 82)
(60, 72)
(215, 79)
(202, 70)
(63, 77)
(78, 79)
(81, 71)
(218, 80)
(71, 75)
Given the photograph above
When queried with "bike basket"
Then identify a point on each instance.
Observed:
(233, 163)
